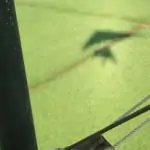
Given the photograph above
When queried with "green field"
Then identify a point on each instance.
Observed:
(92, 93)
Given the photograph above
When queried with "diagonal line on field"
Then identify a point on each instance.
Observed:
(79, 62)
(55, 76)
(79, 12)
(71, 67)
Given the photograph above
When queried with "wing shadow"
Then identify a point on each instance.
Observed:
(101, 36)
(105, 53)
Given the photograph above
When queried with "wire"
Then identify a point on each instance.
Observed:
(125, 119)
(122, 119)
(115, 124)
(131, 133)
(138, 127)
(134, 107)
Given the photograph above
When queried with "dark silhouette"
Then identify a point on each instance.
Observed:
(102, 36)
(106, 54)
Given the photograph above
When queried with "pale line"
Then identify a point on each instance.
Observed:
(143, 100)
(79, 62)
(132, 132)
(75, 11)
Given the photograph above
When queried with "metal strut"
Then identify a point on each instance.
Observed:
(98, 135)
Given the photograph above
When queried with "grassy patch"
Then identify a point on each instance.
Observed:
(92, 94)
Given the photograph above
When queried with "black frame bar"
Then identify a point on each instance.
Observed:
(16, 121)
(112, 126)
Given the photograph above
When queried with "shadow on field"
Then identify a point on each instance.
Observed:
(105, 54)
(102, 36)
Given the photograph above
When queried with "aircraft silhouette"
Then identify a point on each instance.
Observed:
(105, 53)
(101, 36)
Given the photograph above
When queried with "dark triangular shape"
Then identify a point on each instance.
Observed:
(101, 36)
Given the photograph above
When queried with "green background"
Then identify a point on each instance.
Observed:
(93, 94)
